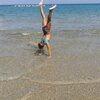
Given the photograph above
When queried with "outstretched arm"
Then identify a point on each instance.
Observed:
(49, 49)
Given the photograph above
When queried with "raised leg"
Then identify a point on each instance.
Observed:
(49, 17)
(44, 20)
(49, 20)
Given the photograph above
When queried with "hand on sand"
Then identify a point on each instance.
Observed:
(49, 57)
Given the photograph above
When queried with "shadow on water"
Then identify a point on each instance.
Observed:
(37, 51)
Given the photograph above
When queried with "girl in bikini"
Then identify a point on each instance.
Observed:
(46, 26)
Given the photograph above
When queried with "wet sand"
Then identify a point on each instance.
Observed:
(73, 72)
(26, 89)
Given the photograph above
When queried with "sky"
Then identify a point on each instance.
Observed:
(47, 1)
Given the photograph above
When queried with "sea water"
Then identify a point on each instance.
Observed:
(75, 42)
(76, 16)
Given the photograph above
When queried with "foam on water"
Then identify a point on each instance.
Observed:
(25, 33)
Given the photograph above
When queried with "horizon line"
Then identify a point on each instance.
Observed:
(48, 3)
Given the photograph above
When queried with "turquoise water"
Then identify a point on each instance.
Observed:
(65, 17)
(75, 43)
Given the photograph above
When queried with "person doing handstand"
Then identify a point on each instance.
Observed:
(46, 27)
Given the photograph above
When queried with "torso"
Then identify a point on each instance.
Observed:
(47, 33)
(47, 36)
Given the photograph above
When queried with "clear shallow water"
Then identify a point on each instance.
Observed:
(75, 43)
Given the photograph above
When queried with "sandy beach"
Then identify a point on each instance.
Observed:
(73, 76)
(27, 89)
(73, 71)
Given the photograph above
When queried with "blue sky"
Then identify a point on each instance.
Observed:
(46, 1)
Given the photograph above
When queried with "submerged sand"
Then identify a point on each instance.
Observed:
(54, 81)
(26, 89)
(73, 72)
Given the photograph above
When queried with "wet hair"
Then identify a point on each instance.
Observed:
(40, 45)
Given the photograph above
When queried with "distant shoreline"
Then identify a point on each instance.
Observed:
(57, 4)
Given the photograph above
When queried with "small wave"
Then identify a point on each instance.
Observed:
(19, 33)
(25, 33)
(62, 82)
(8, 78)
(50, 82)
